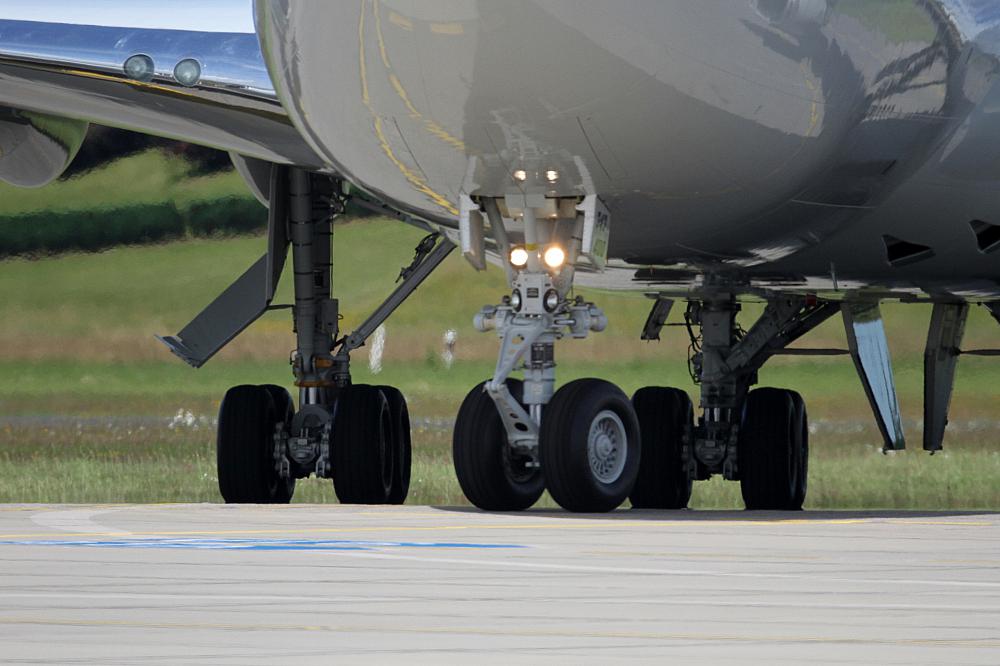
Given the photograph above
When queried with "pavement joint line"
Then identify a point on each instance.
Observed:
(988, 643)
(607, 525)
(989, 563)
(256, 544)
(650, 571)
(294, 598)
(707, 556)
(401, 514)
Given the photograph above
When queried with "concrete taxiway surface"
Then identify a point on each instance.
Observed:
(184, 584)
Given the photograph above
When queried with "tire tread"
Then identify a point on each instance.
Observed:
(662, 483)
(765, 450)
(563, 445)
(356, 457)
(245, 470)
(478, 455)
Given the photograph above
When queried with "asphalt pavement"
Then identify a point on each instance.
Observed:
(214, 584)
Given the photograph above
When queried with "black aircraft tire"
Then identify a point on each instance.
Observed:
(491, 478)
(767, 460)
(590, 446)
(664, 415)
(402, 446)
(801, 453)
(245, 448)
(361, 451)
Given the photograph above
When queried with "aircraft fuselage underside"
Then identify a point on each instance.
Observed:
(789, 146)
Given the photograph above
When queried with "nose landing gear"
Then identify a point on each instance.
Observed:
(513, 438)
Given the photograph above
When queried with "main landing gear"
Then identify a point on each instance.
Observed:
(758, 437)
(357, 435)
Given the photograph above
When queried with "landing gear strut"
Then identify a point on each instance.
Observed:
(358, 435)
(760, 437)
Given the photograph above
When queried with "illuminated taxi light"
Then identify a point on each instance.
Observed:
(554, 256)
(521, 175)
(552, 175)
(519, 256)
(188, 72)
(139, 68)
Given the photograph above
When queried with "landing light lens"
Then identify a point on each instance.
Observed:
(515, 300)
(519, 256)
(521, 175)
(554, 256)
(552, 175)
(188, 72)
(551, 300)
(139, 68)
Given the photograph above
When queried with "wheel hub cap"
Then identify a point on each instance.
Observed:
(606, 446)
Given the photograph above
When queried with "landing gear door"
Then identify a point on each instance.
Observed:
(869, 347)
(470, 229)
(596, 230)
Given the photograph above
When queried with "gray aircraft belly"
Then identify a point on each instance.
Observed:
(774, 141)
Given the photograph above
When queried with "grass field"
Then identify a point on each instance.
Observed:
(93, 409)
(152, 177)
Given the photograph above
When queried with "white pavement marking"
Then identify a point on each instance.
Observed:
(79, 521)
(662, 572)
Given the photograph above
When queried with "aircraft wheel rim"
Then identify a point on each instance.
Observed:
(607, 443)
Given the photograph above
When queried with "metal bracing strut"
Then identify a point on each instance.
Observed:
(431, 251)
